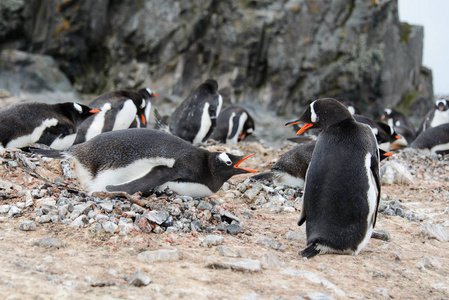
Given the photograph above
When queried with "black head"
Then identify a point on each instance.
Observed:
(442, 104)
(143, 104)
(77, 112)
(224, 165)
(321, 113)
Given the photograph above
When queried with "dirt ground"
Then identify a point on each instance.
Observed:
(83, 266)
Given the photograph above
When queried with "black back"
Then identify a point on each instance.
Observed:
(221, 132)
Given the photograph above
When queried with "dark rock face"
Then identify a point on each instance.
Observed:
(281, 54)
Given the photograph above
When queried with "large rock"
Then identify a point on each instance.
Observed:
(281, 54)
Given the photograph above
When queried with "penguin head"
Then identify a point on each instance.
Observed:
(248, 128)
(321, 113)
(224, 165)
(144, 104)
(388, 114)
(442, 104)
(77, 112)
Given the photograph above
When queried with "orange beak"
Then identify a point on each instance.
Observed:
(388, 154)
(94, 111)
(155, 95)
(304, 128)
(240, 161)
(242, 137)
(383, 118)
(143, 119)
(397, 137)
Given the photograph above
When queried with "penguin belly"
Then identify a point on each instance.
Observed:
(34, 136)
(439, 118)
(191, 189)
(282, 178)
(205, 125)
(137, 169)
(97, 124)
(64, 142)
(125, 116)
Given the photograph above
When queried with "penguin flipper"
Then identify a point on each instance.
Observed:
(156, 177)
(310, 251)
(302, 215)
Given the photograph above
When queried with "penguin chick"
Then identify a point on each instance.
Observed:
(234, 124)
(143, 160)
(54, 125)
(342, 189)
(118, 110)
(196, 117)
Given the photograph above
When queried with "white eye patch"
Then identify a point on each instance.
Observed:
(225, 158)
(78, 107)
(313, 115)
(149, 91)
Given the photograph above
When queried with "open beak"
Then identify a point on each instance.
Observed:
(94, 111)
(143, 119)
(304, 128)
(240, 161)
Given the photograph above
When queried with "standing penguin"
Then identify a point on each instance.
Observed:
(234, 124)
(400, 124)
(437, 116)
(195, 118)
(342, 188)
(54, 125)
(118, 110)
(142, 160)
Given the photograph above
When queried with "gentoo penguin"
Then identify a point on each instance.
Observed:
(196, 117)
(342, 188)
(234, 124)
(143, 160)
(118, 110)
(385, 135)
(437, 116)
(434, 139)
(291, 167)
(401, 125)
(54, 125)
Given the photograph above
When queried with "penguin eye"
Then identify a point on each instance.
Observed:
(228, 163)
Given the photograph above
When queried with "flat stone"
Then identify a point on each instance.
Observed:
(212, 240)
(139, 279)
(315, 278)
(228, 251)
(241, 265)
(272, 243)
(381, 235)
(156, 216)
(14, 211)
(204, 205)
(159, 256)
(270, 260)
(50, 243)
(234, 229)
(27, 226)
(4, 208)
(253, 192)
(435, 231)
(107, 206)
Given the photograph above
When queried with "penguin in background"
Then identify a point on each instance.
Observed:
(118, 110)
(401, 125)
(434, 140)
(234, 124)
(342, 189)
(437, 116)
(54, 125)
(385, 135)
(145, 160)
(196, 117)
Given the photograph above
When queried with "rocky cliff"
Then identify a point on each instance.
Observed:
(280, 54)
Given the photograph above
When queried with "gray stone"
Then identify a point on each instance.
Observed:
(293, 235)
(80, 221)
(212, 240)
(234, 229)
(139, 279)
(159, 256)
(109, 227)
(4, 208)
(137, 208)
(44, 219)
(50, 243)
(392, 172)
(270, 242)
(14, 211)
(107, 206)
(228, 251)
(203, 205)
(319, 296)
(435, 231)
(157, 217)
(241, 265)
(27, 226)
(253, 192)
(381, 235)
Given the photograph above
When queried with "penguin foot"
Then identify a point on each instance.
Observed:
(310, 251)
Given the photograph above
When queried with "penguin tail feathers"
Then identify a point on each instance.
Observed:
(263, 176)
(161, 122)
(310, 251)
(52, 153)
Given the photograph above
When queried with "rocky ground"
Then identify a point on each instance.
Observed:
(241, 243)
